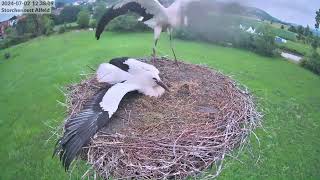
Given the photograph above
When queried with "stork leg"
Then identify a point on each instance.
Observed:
(154, 56)
(157, 33)
(171, 45)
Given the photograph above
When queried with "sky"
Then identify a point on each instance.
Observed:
(300, 12)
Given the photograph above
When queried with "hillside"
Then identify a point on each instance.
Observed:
(261, 14)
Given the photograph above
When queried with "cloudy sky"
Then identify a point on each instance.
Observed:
(295, 11)
(300, 12)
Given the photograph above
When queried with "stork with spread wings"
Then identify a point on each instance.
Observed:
(154, 15)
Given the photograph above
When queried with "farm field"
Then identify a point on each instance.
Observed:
(287, 94)
(298, 47)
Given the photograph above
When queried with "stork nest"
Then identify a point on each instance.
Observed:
(186, 131)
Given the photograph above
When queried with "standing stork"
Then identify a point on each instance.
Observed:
(124, 75)
(153, 14)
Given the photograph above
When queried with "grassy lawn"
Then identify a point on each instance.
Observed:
(288, 95)
(299, 47)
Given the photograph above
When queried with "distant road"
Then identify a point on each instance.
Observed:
(292, 57)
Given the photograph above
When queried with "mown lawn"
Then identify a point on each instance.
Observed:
(288, 95)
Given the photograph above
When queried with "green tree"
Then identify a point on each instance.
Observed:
(292, 29)
(83, 19)
(93, 23)
(282, 26)
(315, 43)
(48, 25)
(28, 25)
(99, 11)
(69, 14)
(300, 30)
(265, 44)
(317, 19)
(307, 31)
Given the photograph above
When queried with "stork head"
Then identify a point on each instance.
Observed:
(151, 84)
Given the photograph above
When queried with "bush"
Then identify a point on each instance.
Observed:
(184, 34)
(93, 23)
(243, 40)
(312, 62)
(265, 45)
(127, 23)
(7, 55)
(12, 38)
(62, 29)
(83, 19)
(48, 25)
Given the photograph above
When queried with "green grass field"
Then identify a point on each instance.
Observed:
(288, 95)
(303, 49)
(275, 27)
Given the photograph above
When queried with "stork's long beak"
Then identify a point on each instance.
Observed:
(160, 83)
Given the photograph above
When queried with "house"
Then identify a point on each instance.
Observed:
(251, 30)
(57, 11)
(242, 27)
(9, 23)
(280, 40)
(3, 26)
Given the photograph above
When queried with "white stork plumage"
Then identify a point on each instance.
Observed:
(154, 15)
(124, 75)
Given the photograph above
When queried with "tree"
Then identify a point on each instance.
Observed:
(282, 26)
(69, 14)
(93, 23)
(99, 10)
(265, 44)
(48, 25)
(292, 29)
(315, 43)
(59, 4)
(307, 31)
(317, 19)
(83, 19)
(300, 30)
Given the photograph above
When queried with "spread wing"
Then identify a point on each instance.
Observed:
(115, 94)
(95, 115)
(111, 74)
(183, 3)
(151, 6)
(145, 8)
(80, 128)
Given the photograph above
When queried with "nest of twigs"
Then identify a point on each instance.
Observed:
(204, 117)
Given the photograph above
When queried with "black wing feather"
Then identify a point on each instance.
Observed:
(119, 62)
(79, 129)
(113, 13)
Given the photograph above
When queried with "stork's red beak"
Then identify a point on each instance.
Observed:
(160, 83)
